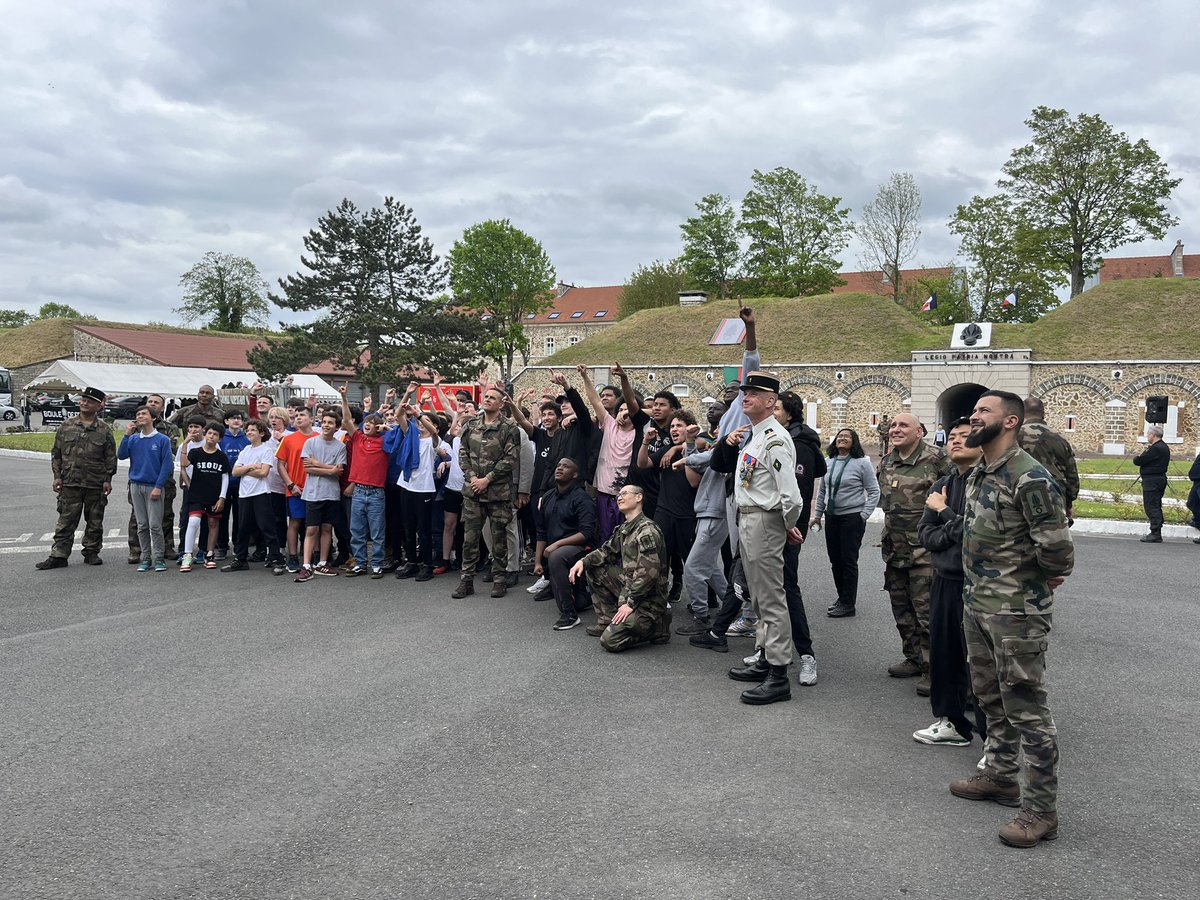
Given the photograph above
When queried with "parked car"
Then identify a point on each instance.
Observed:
(122, 407)
(42, 401)
(8, 413)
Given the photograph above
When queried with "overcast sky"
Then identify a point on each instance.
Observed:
(139, 135)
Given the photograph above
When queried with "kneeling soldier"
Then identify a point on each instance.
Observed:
(627, 576)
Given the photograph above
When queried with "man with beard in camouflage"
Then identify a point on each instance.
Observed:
(1016, 550)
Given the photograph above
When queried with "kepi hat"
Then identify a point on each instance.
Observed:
(94, 394)
(762, 381)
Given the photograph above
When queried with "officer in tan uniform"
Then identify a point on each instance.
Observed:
(769, 504)
(84, 461)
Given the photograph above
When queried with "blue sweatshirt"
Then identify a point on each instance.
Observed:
(232, 446)
(150, 458)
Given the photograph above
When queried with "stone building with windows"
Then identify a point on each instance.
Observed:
(578, 313)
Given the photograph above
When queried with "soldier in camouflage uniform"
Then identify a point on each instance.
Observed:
(162, 426)
(1051, 449)
(906, 474)
(627, 576)
(883, 429)
(83, 460)
(1016, 549)
(488, 456)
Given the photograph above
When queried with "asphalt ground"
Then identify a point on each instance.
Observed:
(239, 735)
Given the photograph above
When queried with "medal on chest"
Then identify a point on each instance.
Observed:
(746, 469)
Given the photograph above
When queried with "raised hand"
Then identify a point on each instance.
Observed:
(558, 378)
(746, 314)
(616, 371)
(735, 437)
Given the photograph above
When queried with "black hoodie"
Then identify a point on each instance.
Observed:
(810, 465)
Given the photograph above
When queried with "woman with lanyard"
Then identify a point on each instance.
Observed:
(848, 495)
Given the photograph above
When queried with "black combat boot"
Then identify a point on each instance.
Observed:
(777, 687)
(756, 672)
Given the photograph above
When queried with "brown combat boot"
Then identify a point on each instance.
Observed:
(598, 629)
(905, 669)
(466, 587)
(499, 586)
(1029, 828)
(987, 786)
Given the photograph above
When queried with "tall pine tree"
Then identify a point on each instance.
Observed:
(376, 281)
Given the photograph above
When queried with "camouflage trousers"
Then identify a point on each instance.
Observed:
(909, 589)
(1007, 655)
(498, 514)
(168, 522)
(606, 582)
(74, 502)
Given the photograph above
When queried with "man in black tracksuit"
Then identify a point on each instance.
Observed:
(941, 532)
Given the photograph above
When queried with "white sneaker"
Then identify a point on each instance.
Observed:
(808, 671)
(742, 627)
(943, 733)
(538, 586)
(753, 658)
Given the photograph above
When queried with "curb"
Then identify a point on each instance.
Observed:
(37, 454)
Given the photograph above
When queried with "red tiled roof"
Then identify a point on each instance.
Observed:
(873, 283)
(1121, 268)
(585, 300)
(168, 348)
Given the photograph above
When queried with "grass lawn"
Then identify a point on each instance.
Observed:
(1125, 512)
(1114, 465)
(42, 441)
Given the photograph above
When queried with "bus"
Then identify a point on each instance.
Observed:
(5, 387)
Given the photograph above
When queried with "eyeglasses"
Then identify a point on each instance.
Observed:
(627, 493)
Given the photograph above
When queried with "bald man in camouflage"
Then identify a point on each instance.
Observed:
(906, 474)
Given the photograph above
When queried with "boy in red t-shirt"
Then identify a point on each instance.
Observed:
(368, 475)
(292, 471)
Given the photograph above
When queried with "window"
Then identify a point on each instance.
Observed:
(549, 345)
(681, 390)
(553, 315)
(486, 317)
(601, 314)
(531, 315)
(577, 314)
(1071, 420)
(573, 340)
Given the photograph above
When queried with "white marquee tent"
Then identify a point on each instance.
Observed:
(117, 379)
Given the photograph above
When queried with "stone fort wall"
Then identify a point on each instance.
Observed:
(1099, 411)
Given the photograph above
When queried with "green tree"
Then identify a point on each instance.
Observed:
(711, 252)
(651, 287)
(890, 229)
(502, 274)
(953, 298)
(1004, 255)
(54, 310)
(795, 234)
(225, 291)
(1087, 189)
(14, 318)
(374, 280)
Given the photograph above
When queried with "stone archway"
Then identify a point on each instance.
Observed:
(956, 402)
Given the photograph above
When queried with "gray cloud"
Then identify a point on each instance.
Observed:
(140, 135)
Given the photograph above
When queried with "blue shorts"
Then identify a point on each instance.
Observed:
(296, 508)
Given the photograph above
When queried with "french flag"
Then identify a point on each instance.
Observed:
(930, 303)
(1011, 299)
